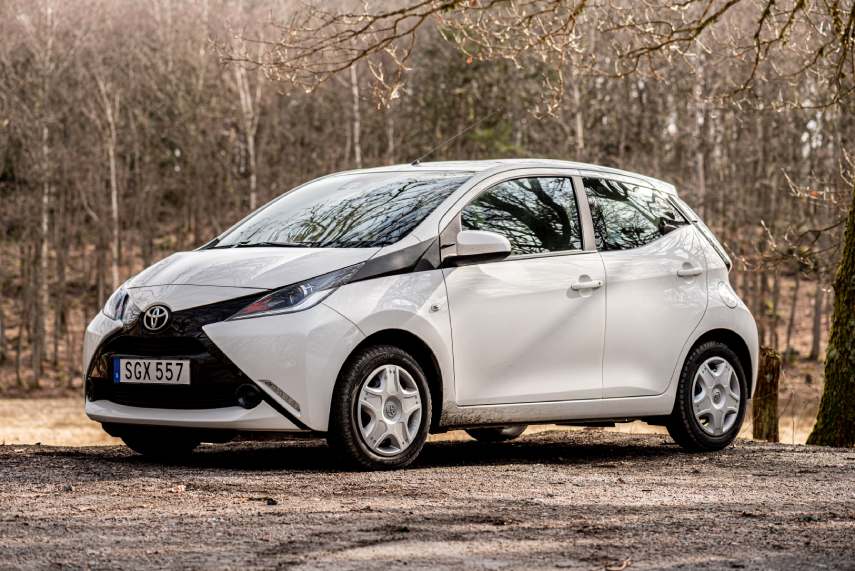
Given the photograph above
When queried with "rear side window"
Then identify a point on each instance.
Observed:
(626, 216)
(535, 214)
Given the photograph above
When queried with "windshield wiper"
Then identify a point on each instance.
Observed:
(249, 244)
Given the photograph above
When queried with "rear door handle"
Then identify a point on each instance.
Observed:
(588, 284)
(690, 272)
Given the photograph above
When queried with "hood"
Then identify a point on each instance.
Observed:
(254, 268)
(180, 297)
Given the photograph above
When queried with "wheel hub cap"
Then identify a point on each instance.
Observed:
(716, 396)
(389, 410)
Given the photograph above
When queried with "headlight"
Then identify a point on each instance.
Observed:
(298, 297)
(117, 303)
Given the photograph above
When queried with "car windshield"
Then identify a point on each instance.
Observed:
(346, 211)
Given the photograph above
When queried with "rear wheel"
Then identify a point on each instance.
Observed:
(711, 399)
(160, 444)
(497, 433)
(381, 409)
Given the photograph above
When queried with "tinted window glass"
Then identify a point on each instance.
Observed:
(535, 214)
(348, 211)
(627, 216)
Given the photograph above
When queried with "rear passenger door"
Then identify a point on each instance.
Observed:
(656, 286)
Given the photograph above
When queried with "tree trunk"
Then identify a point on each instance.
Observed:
(390, 137)
(357, 118)
(763, 296)
(765, 402)
(700, 121)
(2, 336)
(776, 304)
(757, 305)
(41, 285)
(249, 103)
(818, 304)
(19, 378)
(789, 352)
(110, 110)
(59, 324)
(99, 272)
(114, 208)
(580, 125)
(835, 422)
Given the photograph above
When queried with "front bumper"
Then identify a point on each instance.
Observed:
(293, 359)
(262, 418)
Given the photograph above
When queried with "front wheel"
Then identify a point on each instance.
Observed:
(497, 434)
(711, 399)
(381, 409)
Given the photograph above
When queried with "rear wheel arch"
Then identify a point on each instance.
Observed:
(420, 351)
(736, 343)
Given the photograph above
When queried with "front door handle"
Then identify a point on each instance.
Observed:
(690, 272)
(588, 284)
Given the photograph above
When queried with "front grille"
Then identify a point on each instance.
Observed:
(186, 397)
(214, 379)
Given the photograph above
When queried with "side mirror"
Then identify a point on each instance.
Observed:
(479, 246)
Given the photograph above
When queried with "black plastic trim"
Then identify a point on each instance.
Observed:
(420, 257)
(458, 261)
(281, 409)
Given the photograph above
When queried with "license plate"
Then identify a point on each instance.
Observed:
(151, 371)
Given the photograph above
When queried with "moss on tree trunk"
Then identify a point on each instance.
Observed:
(835, 422)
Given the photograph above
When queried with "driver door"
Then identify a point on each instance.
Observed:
(529, 328)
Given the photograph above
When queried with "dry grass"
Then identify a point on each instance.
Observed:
(49, 421)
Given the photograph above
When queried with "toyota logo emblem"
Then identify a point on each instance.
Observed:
(155, 317)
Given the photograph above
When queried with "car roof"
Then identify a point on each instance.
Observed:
(500, 165)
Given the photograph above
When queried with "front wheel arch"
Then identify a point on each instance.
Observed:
(421, 352)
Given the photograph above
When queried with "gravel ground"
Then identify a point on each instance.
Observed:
(575, 500)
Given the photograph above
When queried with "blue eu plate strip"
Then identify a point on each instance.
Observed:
(116, 366)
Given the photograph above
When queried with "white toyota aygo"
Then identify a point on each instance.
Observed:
(380, 305)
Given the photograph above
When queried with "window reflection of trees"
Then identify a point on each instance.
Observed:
(378, 216)
(535, 214)
(625, 216)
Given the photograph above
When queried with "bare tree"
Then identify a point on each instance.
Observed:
(249, 106)
(106, 117)
(357, 119)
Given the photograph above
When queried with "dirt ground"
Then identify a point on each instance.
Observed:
(577, 500)
(60, 421)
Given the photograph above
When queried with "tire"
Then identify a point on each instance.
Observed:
(383, 430)
(160, 444)
(714, 390)
(497, 433)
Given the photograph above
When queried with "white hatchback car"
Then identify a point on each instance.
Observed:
(379, 305)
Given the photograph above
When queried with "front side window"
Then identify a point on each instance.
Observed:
(536, 214)
(626, 216)
(347, 211)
